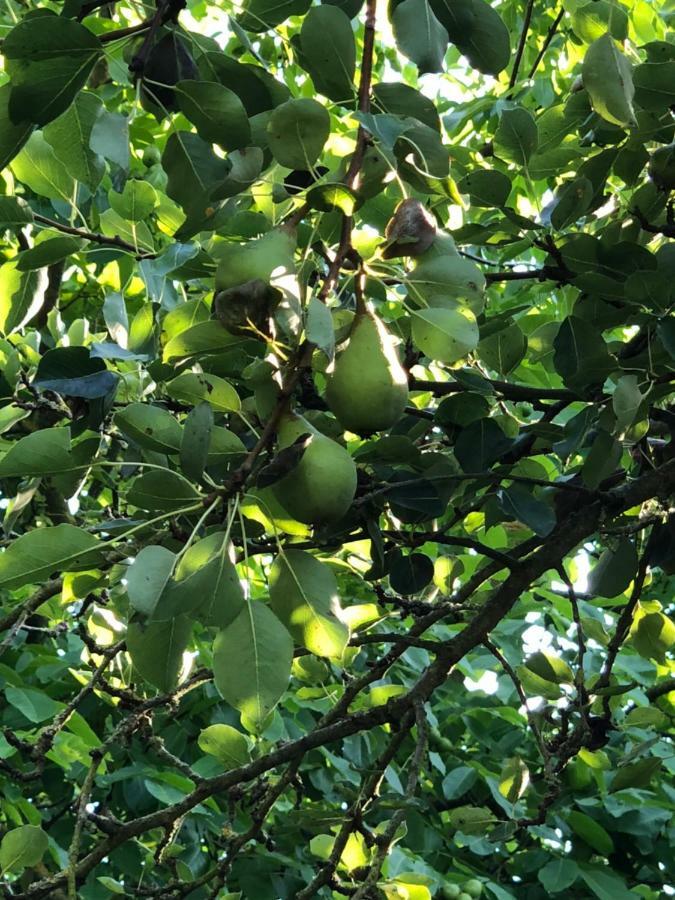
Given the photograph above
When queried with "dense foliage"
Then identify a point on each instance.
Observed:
(336, 455)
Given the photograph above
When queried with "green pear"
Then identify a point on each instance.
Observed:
(662, 167)
(322, 486)
(445, 276)
(269, 258)
(368, 388)
(443, 244)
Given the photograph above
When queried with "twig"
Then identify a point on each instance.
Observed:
(367, 792)
(547, 40)
(510, 671)
(580, 677)
(385, 841)
(109, 36)
(507, 390)
(93, 236)
(521, 43)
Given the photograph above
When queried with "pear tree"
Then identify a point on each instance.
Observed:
(337, 449)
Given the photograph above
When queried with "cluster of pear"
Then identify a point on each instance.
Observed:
(469, 890)
(366, 387)
(367, 390)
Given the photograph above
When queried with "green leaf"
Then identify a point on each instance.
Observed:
(136, 202)
(443, 334)
(581, 355)
(40, 453)
(636, 775)
(608, 77)
(228, 745)
(481, 444)
(329, 51)
(36, 706)
(297, 131)
(558, 875)
(603, 458)
(194, 448)
(22, 848)
(47, 252)
(147, 577)
(204, 337)
(216, 112)
(38, 167)
(252, 662)
(37, 555)
(150, 426)
(606, 884)
(591, 20)
(326, 197)
(516, 137)
(70, 138)
(411, 573)
(457, 782)
(645, 717)
(419, 35)
(194, 171)
(319, 327)
(164, 490)
(537, 686)
(486, 187)
(614, 571)
(550, 668)
(194, 388)
(14, 211)
(503, 350)
(626, 400)
(13, 135)
(21, 296)
(652, 634)
(304, 595)
(205, 585)
(514, 779)
(591, 832)
(259, 15)
(156, 650)
(520, 503)
(477, 31)
(48, 58)
(471, 819)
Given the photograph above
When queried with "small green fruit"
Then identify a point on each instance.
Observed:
(322, 486)
(662, 167)
(451, 891)
(473, 887)
(464, 896)
(151, 156)
(446, 276)
(368, 389)
(267, 258)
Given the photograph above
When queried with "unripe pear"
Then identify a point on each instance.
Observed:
(662, 167)
(442, 245)
(368, 388)
(450, 277)
(322, 486)
(266, 258)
